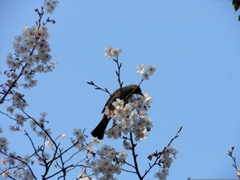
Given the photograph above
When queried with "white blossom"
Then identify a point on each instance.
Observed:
(145, 76)
(123, 156)
(151, 69)
(118, 103)
(95, 141)
(115, 52)
(48, 143)
(50, 5)
(145, 73)
(110, 52)
(79, 135)
(140, 69)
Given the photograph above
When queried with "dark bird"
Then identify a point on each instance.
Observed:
(123, 94)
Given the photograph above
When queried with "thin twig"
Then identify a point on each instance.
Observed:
(66, 150)
(13, 84)
(230, 153)
(128, 171)
(35, 150)
(72, 156)
(8, 116)
(129, 164)
(158, 155)
(98, 88)
(39, 125)
(134, 156)
(19, 159)
(140, 82)
(20, 74)
(118, 73)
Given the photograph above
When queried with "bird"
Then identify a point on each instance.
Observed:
(122, 93)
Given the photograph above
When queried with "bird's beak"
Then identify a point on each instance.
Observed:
(141, 94)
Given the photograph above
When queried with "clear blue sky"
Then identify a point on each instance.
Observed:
(195, 47)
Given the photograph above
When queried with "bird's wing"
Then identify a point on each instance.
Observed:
(111, 99)
(107, 103)
(123, 95)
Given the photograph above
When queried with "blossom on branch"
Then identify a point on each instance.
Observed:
(131, 118)
(110, 52)
(50, 5)
(145, 73)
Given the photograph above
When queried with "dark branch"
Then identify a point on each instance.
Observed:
(98, 88)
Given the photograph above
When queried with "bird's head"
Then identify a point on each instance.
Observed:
(137, 90)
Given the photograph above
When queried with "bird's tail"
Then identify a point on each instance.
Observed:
(99, 130)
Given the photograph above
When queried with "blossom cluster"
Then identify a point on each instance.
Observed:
(40, 124)
(108, 163)
(31, 56)
(167, 159)
(12, 160)
(146, 72)
(131, 118)
(110, 52)
(80, 138)
(50, 5)
(168, 155)
(25, 175)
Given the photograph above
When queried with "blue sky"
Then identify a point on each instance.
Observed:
(193, 44)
